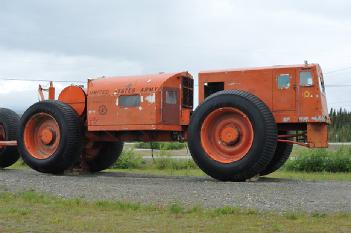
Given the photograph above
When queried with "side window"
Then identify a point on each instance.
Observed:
(129, 100)
(306, 79)
(284, 81)
(171, 97)
(213, 87)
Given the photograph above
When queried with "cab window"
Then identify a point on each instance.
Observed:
(129, 100)
(306, 79)
(284, 81)
(171, 97)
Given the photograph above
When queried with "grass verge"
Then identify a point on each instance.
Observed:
(191, 171)
(281, 174)
(33, 212)
(302, 159)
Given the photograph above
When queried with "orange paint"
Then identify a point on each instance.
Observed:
(292, 104)
(158, 107)
(227, 135)
(155, 103)
(51, 91)
(75, 96)
(42, 135)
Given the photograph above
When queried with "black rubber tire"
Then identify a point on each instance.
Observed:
(280, 157)
(70, 146)
(264, 142)
(108, 155)
(10, 121)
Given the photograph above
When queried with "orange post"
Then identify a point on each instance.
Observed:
(51, 91)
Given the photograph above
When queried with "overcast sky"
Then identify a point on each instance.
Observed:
(80, 39)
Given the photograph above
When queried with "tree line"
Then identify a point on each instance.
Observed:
(340, 128)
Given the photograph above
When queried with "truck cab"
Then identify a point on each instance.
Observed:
(295, 94)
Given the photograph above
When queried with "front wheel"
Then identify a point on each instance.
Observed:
(50, 137)
(232, 136)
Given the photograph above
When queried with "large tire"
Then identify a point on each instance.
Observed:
(108, 153)
(248, 147)
(281, 155)
(50, 137)
(9, 122)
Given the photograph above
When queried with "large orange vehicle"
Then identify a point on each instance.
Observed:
(245, 125)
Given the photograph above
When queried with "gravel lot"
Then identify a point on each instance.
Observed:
(266, 194)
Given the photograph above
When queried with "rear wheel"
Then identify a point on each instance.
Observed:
(9, 122)
(280, 157)
(232, 136)
(50, 137)
(102, 155)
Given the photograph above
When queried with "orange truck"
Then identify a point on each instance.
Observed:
(245, 125)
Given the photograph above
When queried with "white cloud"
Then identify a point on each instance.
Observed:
(79, 39)
(47, 66)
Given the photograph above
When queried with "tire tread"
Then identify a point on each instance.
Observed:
(270, 137)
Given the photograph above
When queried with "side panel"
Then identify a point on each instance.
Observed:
(284, 90)
(296, 103)
(317, 135)
(108, 110)
(149, 103)
(257, 83)
(105, 108)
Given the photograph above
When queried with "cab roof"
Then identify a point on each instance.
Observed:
(138, 81)
(261, 68)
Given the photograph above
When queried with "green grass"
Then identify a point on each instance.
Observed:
(163, 172)
(190, 171)
(19, 165)
(320, 160)
(33, 212)
(161, 145)
(132, 162)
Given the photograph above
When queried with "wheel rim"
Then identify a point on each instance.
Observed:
(227, 135)
(2, 135)
(42, 135)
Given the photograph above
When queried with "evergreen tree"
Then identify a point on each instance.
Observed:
(340, 128)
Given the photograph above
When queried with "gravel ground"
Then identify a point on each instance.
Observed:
(266, 194)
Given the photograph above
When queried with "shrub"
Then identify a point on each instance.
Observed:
(321, 160)
(161, 145)
(129, 160)
(174, 164)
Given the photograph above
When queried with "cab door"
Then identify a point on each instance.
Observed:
(284, 90)
(170, 106)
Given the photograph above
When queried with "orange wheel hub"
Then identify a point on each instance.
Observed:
(47, 136)
(227, 135)
(42, 135)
